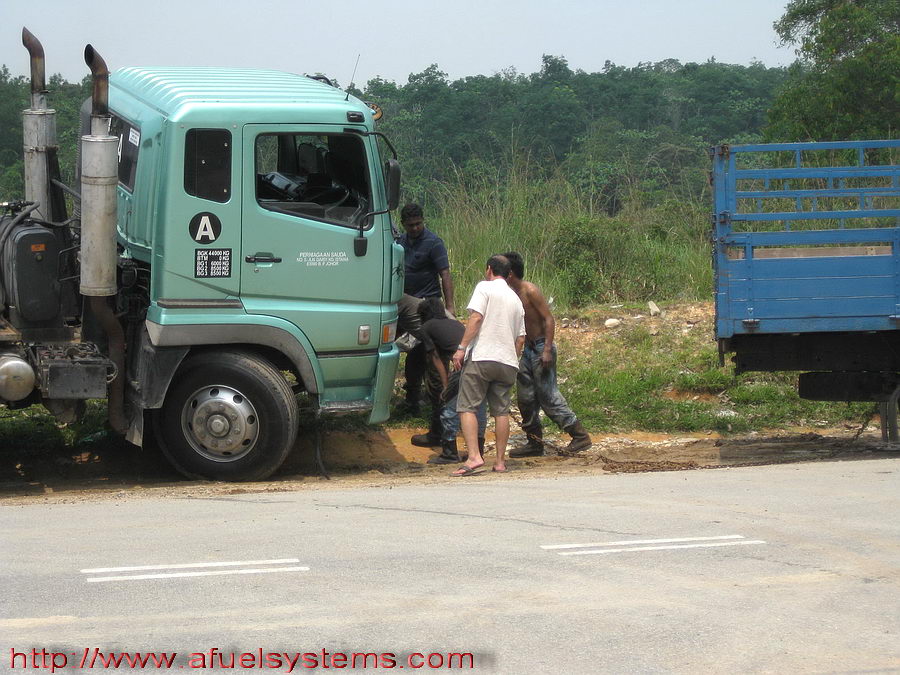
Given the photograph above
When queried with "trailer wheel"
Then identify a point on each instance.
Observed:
(229, 415)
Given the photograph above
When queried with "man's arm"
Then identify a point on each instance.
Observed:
(520, 345)
(472, 328)
(542, 309)
(447, 287)
(439, 367)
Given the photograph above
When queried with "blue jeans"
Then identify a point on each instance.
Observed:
(450, 420)
(537, 390)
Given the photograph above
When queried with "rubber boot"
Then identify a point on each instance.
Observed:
(581, 440)
(426, 440)
(533, 448)
(432, 439)
(449, 454)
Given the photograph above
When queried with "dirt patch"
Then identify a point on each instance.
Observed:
(677, 395)
(109, 469)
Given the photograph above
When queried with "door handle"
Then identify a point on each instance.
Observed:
(262, 259)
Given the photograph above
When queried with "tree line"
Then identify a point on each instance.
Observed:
(555, 115)
(598, 126)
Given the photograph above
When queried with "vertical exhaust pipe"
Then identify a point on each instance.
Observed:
(39, 131)
(99, 178)
(99, 255)
(38, 80)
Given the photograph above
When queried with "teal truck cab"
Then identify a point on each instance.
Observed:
(231, 247)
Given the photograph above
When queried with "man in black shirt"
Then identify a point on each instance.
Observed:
(427, 267)
(440, 338)
(427, 275)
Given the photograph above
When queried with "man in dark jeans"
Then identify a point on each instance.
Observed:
(536, 381)
(440, 337)
(450, 424)
(427, 275)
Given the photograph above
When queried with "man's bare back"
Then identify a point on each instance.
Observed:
(537, 311)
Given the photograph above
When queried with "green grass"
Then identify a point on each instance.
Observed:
(577, 256)
(663, 375)
(33, 430)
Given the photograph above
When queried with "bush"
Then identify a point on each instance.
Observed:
(577, 255)
(576, 258)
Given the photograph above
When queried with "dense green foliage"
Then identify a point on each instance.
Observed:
(847, 82)
(579, 257)
(599, 179)
(603, 126)
(15, 95)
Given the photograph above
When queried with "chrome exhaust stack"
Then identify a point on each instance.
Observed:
(99, 178)
(99, 254)
(39, 131)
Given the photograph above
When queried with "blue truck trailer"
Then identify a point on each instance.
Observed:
(806, 249)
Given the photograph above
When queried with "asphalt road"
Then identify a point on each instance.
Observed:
(790, 568)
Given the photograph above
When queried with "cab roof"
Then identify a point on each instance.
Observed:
(176, 92)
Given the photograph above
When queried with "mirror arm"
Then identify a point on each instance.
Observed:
(360, 243)
(360, 132)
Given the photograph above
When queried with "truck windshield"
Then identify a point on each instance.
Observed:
(319, 176)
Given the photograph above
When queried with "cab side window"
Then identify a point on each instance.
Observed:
(319, 176)
(207, 164)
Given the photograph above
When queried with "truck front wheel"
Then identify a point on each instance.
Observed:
(229, 415)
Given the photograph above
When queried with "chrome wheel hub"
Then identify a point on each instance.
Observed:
(220, 423)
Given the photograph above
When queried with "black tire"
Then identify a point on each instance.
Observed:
(229, 415)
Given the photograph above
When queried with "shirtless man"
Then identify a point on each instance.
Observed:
(536, 380)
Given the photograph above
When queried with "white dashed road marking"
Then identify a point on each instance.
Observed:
(603, 548)
(244, 568)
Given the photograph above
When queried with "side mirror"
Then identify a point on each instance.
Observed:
(392, 167)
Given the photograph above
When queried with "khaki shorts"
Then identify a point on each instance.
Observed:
(486, 378)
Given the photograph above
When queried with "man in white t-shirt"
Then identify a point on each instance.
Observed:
(490, 349)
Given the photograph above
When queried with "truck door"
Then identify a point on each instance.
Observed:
(306, 189)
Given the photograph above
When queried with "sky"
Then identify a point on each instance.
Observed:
(392, 38)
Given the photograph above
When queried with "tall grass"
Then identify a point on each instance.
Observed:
(578, 256)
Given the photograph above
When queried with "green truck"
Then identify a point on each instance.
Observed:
(230, 247)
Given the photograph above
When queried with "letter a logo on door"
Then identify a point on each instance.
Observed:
(205, 228)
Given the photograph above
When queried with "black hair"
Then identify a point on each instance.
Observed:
(431, 308)
(499, 265)
(411, 211)
(516, 263)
